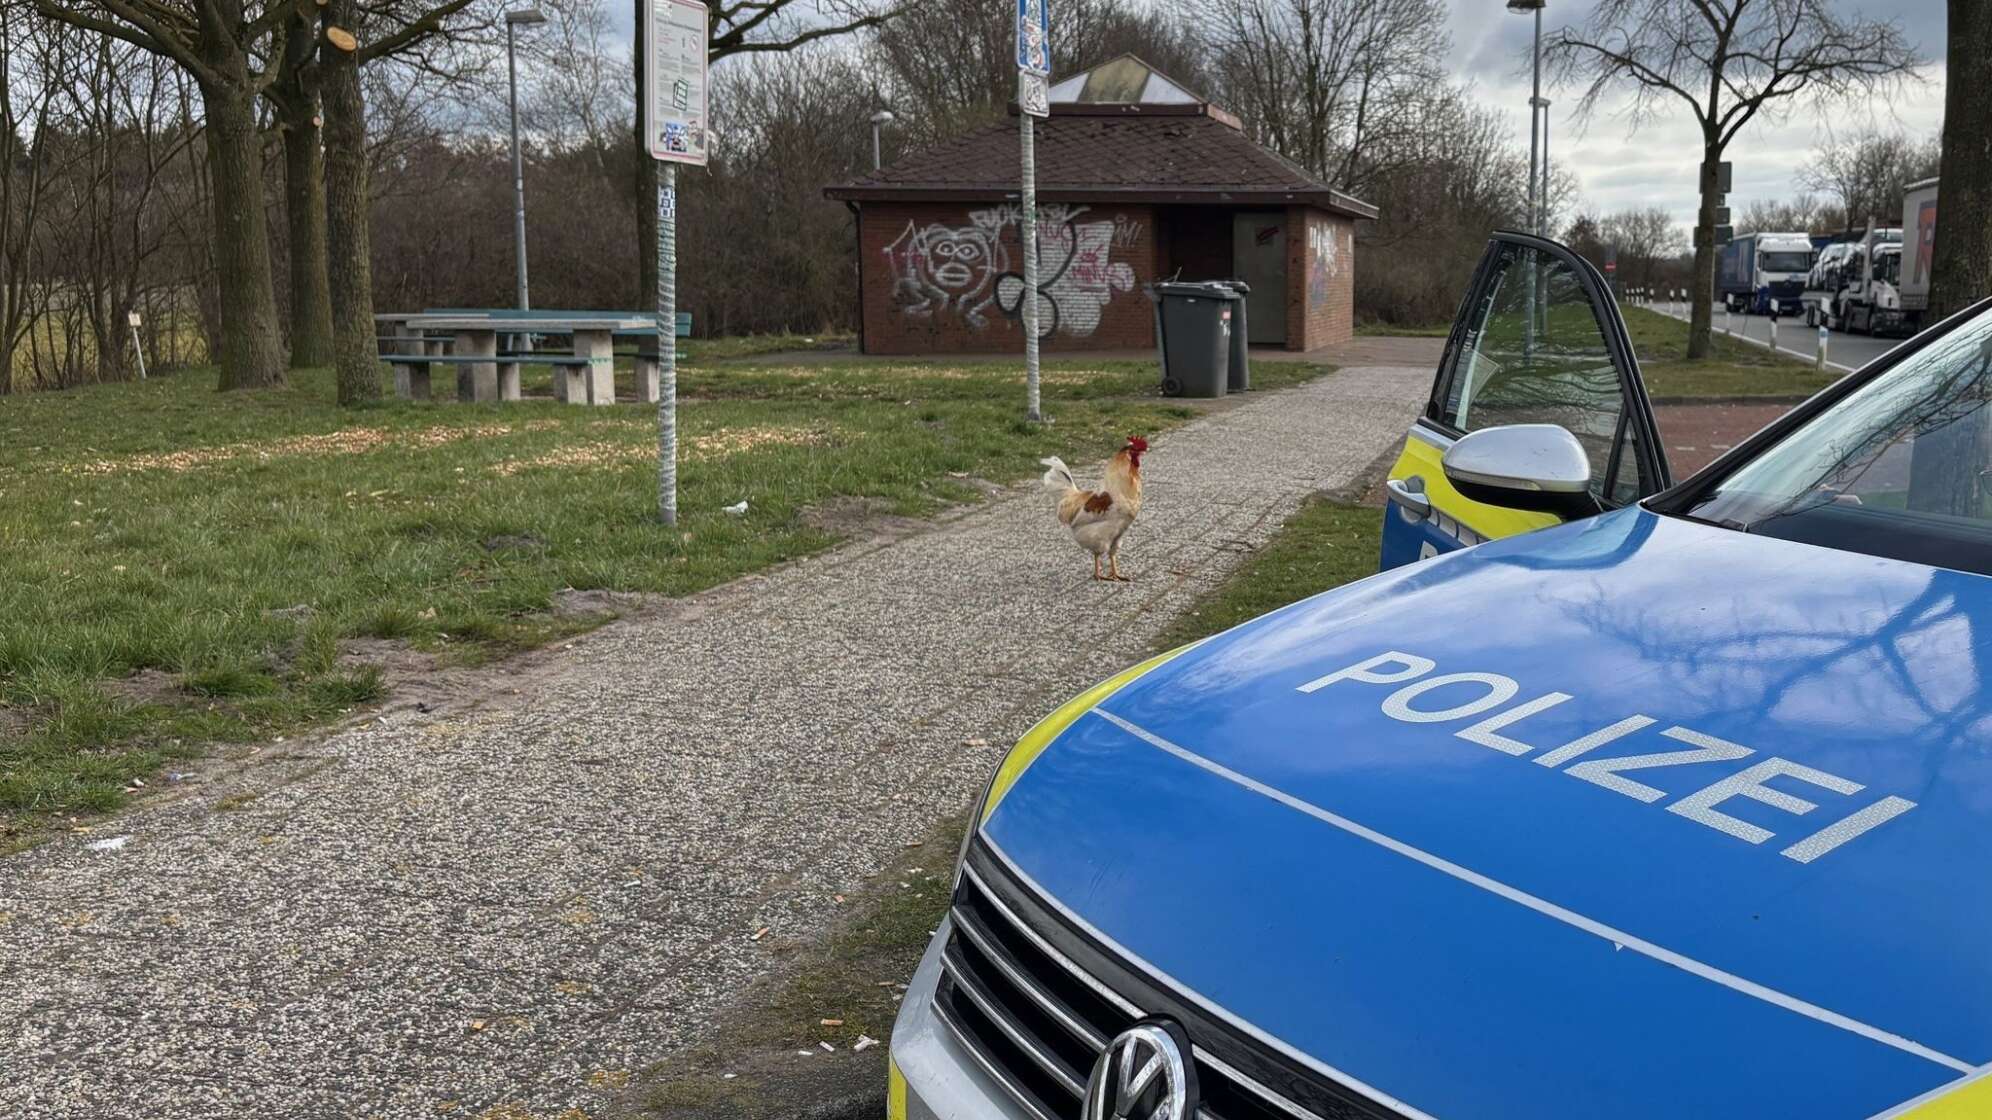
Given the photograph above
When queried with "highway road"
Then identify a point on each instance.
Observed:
(1844, 352)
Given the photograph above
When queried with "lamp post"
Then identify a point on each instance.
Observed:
(524, 17)
(1542, 212)
(879, 120)
(1535, 105)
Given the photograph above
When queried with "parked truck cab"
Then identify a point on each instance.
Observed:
(1758, 269)
(1869, 300)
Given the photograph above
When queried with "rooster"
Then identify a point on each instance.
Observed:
(1097, 518)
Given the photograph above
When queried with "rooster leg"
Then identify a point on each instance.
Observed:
(1096, 567)
(1113, 565)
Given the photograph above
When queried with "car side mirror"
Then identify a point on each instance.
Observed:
(1538, 467)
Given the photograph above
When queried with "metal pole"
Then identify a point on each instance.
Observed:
(667, 344)
(1535, 97)
(1542, 218)
(518, 164)
(1027, 231)
(876, 162)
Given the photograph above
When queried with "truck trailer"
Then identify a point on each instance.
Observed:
(1919, 246)
(1758, 268)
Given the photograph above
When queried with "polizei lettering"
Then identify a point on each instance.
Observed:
(1485, 699)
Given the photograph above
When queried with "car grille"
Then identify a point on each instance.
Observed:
(1035, 1019)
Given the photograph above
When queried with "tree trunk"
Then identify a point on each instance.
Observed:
(1701, 317)
(356, 362)
(1961, 272)
(252, 353)
(644, 184)
(304, 210)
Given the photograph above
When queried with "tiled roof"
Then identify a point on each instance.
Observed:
(1135, 153)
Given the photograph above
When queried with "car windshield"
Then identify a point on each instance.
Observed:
(1900, 467)
(1784, 262)
(1887, 265)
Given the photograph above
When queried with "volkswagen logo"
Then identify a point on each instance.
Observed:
(1145, 1073)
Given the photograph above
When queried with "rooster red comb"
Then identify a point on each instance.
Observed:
(1136, 444)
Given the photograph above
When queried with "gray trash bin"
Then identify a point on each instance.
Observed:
(1193, 335)
(1239, 378)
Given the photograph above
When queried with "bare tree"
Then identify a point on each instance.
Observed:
(736, 27)
(1962, 270)
(1445, 182)
(1865, 174)
(28, 62)
(1800, 213)
(1328, 83)
(1645, 237)
(217, 43)
(1728, 61)
(294, 95)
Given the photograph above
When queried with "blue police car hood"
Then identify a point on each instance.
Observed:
(1630, 818)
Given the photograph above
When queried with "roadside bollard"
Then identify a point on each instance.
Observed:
(1774, 327)
(1820, 361)
(1728, 315)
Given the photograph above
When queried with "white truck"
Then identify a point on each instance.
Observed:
(1759, 272)
(1855, 290)
(1886, 284)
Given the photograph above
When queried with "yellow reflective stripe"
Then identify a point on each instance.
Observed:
(1038, 738)
(895, 1091)
(1422, 459)
(1970, 1100)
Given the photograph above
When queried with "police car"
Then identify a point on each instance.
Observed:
(1678, 808)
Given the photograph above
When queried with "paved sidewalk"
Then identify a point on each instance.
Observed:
(497, 910)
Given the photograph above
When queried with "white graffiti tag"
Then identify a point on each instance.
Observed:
(963, 269)
(941, 268)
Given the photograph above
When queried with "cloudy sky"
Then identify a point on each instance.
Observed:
(1656, 165)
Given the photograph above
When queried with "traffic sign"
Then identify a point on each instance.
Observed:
(1034, 36)
(1719, 182)
(1033, 93)
(674, 67)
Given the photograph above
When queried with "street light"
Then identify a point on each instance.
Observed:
(1542, 218)
(525, 17)
(1536, 104)
(879, 120)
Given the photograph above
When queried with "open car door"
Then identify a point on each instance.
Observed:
(1538, 340)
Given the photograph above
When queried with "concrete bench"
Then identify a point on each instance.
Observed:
(583, 375)
(479, 377)
(638, 343)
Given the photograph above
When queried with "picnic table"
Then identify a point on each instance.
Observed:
(584, 374)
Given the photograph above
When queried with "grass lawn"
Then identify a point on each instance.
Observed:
(1326, 543)
(756, 345)
(229, 543)
(1737, 368)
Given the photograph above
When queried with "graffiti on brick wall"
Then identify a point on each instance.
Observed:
(941, 269)
(1324, 260)
(967, 271)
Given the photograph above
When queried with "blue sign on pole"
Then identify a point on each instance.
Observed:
(1034, 36)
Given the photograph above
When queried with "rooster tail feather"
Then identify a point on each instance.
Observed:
(1059, 477)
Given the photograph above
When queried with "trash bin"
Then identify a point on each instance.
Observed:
(1239, 378)
(1193, 335)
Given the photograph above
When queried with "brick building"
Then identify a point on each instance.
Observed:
(1137, 178)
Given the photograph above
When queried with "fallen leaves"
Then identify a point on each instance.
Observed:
(344, 441)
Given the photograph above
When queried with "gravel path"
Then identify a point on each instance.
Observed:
(495, 910)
